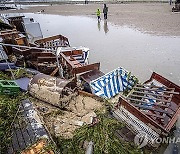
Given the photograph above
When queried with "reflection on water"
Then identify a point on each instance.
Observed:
(99, 25)
(105, 27)
(117, 46)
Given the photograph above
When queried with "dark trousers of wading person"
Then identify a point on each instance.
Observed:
(105, 16)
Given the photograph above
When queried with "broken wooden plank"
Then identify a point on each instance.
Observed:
(152, 109)
(156, 90)
(144, 102)
(154, 86)
(54, 72)
(159, 95)
(157, 99)
(154, 115)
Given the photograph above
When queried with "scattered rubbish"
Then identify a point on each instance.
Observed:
(40, 147)
(55, 91)
(27, 130)
(79, 112)
(23, 83)
(4, 66)
(78, 104)
(9, 87)
(90, 148)
(155, 103)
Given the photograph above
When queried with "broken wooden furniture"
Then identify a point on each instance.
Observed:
(89, 76)
(177, 6)
(42, 61)
(113, 83)
(27, 26)
(156, 103)
(58, 92)
(17, 21)
(13, 37)
(4, 25)
(72, 66)
(53, 42)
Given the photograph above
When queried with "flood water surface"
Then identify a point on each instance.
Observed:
(116, 46)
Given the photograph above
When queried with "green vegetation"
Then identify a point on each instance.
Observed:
(102, 134)
(8, 109)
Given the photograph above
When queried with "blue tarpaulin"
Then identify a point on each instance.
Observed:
(112, 83)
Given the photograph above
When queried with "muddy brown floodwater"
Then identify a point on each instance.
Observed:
(140, 40)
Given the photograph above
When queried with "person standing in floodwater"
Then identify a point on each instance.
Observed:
(98, 12)
(105, 11)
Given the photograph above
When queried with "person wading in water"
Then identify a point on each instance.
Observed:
(105, 11)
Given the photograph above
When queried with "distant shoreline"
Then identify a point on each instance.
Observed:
(153, 18)
(90, 2)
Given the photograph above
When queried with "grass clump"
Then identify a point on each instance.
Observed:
(8, 109)
(102, 134)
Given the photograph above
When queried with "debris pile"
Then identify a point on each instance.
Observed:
(80, 111)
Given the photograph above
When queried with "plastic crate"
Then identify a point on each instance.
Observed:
(9, 87)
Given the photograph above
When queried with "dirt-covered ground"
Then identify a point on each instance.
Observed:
(149, 17)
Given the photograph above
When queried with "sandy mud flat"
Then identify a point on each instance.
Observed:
(154, 18)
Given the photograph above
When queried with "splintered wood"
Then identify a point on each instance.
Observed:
(80, 111)
(38, 148)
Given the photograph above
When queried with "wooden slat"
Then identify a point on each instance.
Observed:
(144, 102)
(156, 90)
(86, 68)
(154, 86)
(152, 109)
(154, 115)
(159, 95)
(161, 100)
(54, 72)
(46, 59)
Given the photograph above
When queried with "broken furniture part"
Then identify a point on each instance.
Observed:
(9, 87)
(112, 83)
(40, 147)
(4, 25)
(23, 83)
(27, 128)
(55, 91)
(44, 62)
(177, 6)
(82, 57)
(53, 42)
(27, 26)
(89, 76)
(4, 66)
(156, 103)
(3, 55)
(71, 66)
(17, 21)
